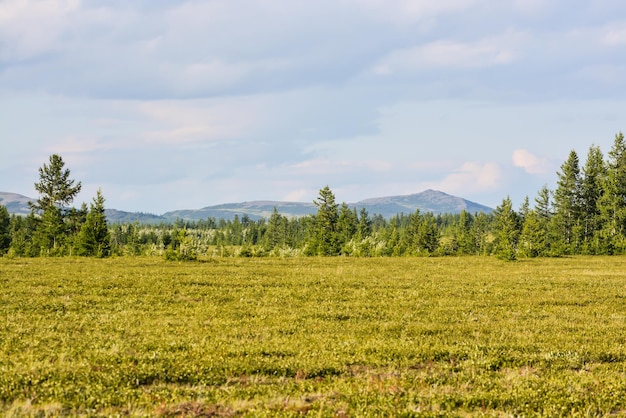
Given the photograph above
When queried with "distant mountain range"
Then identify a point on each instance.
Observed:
(426, 201)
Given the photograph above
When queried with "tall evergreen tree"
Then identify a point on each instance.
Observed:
(506, 230)
(275, 235)
(428, 234)
(325, 237)
(463, 237)
(364, 229)
(594, 174)
(56, 191)
(95, 239)
(5, 230)
(479, 231)
(612, 202)
(567, 203)
(532, 241)
(347, 224)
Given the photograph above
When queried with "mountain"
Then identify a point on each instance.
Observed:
(254, 210)
(426, 201)
(122, 217)
(15, 203)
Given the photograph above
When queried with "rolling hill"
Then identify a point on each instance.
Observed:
(427, 201)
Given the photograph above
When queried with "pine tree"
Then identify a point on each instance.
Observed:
(325, 237)
(275, 235)
(612, 202)
(463, 236)
(428, 234)
(506, 230)
(56, 191)
(594, 174)
(567, 203)
(347, 224)
(479, 231)
(95, 239)
(5, 230)
(365, 224)
(532, 242)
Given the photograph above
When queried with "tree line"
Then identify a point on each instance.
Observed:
(585, 214)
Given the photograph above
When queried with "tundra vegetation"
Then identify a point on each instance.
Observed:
(331, 336)
(585, 214)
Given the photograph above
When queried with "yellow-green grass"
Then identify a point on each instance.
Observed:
(330, 337)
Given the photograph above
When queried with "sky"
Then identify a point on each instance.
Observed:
(180, 104)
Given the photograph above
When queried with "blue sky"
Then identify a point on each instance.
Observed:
(183, 104)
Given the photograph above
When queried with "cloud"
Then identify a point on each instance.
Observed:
(192, 121)
(614, 35)
(298, 195)
(330, 166)
(409, 11)
(529, 162)
(471, 177)
(447, 54)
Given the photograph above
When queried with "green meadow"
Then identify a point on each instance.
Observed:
(467, 336)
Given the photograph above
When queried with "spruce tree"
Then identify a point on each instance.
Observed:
(506, 230)
(275, 235)
(567, 204)
(325, 237)
(56, 191)
(95, 239)
(594, 174)
(612, 202)
(5, 230)
(364, 229)
(532, 241)
(347, 224)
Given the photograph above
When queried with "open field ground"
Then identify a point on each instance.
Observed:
(329, 337)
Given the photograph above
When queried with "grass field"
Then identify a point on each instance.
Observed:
(325, 337)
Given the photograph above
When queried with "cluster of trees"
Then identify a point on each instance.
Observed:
(585, 214)
(51, 228)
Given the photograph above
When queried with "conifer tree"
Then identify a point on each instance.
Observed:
(567, 203)
(365, 224)
(95, 239)
(463, 236)
(56, 191)
(479, 231)
(428, 234)
(532, 242)
(5, 230)
(325, 238)
(612, 202)
(594, 174)
(275, 235)
(506, 230)
(347, 224)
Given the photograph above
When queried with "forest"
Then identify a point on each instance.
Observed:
(584, 214)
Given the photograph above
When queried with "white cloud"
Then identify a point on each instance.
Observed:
(409, 11)
(471, 177)
(29, 28)
(448, 54)
(529, 162)
(328, 166)
(298, 195)
(187, 121)
(615, 35)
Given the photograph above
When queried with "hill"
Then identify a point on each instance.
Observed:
(427, 201)
(15, 203)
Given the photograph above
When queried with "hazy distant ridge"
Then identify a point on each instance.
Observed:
(426, 201)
